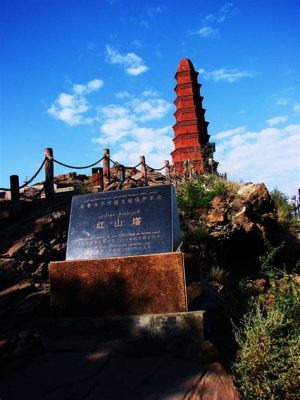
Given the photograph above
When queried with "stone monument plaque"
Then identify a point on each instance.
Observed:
(123, 223)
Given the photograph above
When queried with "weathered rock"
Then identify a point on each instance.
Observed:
(58, 252)
(18, 246)
(214, 385)
(42, 223)
(138, 175)
(50, 220)
(129, 184)
(16, 290)
(13, 294)
(238, 226)
(29, 266)
(34, 305)
(66, 177)
(258, 196)
(42, 251)
(240, 220)
(214, 217)
(42, 271)
(7, 264)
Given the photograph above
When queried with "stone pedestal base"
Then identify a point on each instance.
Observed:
(136, 285)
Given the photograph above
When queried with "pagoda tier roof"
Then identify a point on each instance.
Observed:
(193, 97)
(195, 108)
(195, 121)
(185, 64)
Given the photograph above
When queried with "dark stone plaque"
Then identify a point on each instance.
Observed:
(123, 223)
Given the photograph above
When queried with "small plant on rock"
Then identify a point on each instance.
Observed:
(284, 210)
(268, 363)
(217, 274)
(268, 260)
(198, 192)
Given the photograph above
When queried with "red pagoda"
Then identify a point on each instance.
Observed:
(192, 147)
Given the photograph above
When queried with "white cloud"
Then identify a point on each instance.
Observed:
(123, 127)
(91, 86)
(136, 70)
(277, 120)
(112, 111)
(115, 129)
(150, 109)
(210, 21)
(122, 95)
(282, 101)
(65, 100)
(296, 107)
(226, 75)
(225, 11)
(207, 31)
(72, 108)
(210, 17)
(150, 93)
(137, 43)
(133, 64)
(231, 132)
(270, 155)
(69, 109)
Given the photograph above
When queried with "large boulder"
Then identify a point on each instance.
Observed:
(238, 226)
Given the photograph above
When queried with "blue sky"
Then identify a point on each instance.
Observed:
(80, 76)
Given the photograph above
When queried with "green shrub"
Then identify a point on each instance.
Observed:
(198, 192)
(284, 210)
(267, 366)
(199, 235)
(268, 266)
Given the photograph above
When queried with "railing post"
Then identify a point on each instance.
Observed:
(121, 173)
(106, 168)
(49, 173)
(14, 188)
(143, 168)
(173, 174)
(167, 169)
(101, 178)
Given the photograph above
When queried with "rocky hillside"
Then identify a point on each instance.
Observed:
(230, 232)
(226, 230)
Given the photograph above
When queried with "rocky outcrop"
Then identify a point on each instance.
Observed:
(238, 226)
(28, 244)
(231, 234)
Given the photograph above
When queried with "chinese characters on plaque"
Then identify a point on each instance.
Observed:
(124, 222)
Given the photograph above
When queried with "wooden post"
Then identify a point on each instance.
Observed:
(174, 176)
(106, 168)
(121, 173)
(143, 167)
(167, 170)
(14, 188)
(101, 178)
(49, 173)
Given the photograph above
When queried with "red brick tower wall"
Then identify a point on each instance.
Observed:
(190, 129)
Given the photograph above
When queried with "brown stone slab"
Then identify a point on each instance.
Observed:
(135, 285)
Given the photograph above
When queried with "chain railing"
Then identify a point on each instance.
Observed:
(101, 178)
(76, 167)
(26, 183)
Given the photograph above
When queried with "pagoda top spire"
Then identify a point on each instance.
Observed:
(185, 65)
